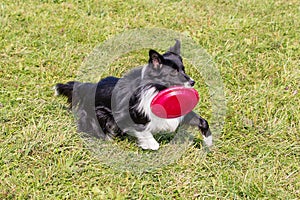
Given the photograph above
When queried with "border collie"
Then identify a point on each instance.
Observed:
(115, 106)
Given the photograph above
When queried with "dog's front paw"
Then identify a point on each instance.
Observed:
(208, 141)
(148, 143)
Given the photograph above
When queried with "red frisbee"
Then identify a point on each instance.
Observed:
(174, 102)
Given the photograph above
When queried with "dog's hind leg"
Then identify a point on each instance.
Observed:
(146, 140)
(193, 119)
(107, 122)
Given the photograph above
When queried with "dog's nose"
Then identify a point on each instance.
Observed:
(192, 82)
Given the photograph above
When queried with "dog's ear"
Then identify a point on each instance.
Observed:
(176, 48)
(155, 59)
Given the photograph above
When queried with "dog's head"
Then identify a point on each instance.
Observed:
(167, 69)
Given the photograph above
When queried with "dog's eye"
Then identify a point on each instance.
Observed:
(174, 72)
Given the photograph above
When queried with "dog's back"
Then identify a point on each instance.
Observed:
(103, 93)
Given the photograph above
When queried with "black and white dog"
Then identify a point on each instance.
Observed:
(115, 106)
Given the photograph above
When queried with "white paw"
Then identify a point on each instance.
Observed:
(148, 143)
(208, 141)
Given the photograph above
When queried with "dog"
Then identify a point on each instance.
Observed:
(119, 106)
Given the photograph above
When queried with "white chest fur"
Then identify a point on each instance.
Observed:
(156, 123)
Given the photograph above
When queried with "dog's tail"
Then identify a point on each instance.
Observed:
(65, 90)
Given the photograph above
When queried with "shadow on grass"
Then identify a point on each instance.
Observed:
(123, 154)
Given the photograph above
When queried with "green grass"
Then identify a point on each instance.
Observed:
(255, 46)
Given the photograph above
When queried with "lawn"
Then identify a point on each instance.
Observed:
(255, 48)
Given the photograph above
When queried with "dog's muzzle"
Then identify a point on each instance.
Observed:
(189, 83)
(192, 82)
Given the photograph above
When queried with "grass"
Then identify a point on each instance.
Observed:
(255, 46)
